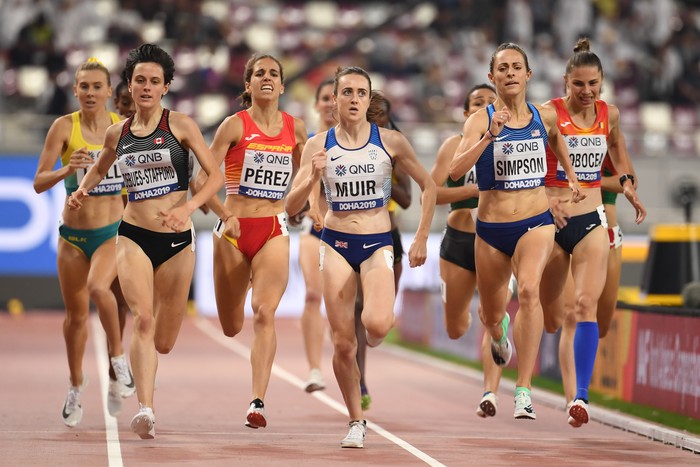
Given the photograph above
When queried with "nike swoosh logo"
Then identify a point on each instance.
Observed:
(563, 124)
(336, 157)
(65, 414)
(365, 246)
(175, 245)
(254, 135)
(127, 145)
(533, 228)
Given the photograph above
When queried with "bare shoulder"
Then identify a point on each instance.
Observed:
(317, 141)
(548, 113)
(613, 113)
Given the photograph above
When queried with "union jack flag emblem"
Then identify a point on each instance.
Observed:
(341, 244)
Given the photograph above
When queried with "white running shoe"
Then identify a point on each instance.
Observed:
(487, 406)
(72, 411)
(255, 417)
(124, 377)
(502, 351)
(578, 413)
(144, 423)
(523, 407)
(356, 435)
(114, 398)
(315, 381)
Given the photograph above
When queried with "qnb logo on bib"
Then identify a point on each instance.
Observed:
(265, 174)
(149, 174)
(586, 154)
(519, 165)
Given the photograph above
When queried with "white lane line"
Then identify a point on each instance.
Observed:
(114, 450)
(216, 334)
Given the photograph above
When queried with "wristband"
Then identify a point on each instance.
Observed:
(626, 177)
(490, 135)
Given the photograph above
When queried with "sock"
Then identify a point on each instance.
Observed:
(585, 350)
(504, 326)
(519, 389)
(258, 403)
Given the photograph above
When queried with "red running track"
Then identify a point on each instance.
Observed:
(422, 412)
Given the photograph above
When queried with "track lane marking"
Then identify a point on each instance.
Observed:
(243, 351)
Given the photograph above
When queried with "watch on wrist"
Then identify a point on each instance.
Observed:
(626, 177)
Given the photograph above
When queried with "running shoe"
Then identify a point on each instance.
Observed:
(315, 381)
(487, 406)
(366, 399)
(124, 376)
(72, 411)
(502, 351)
(356, 435)
(144, 423)
(114, 398)
(578, 413)
(255, 417)
(523, 407)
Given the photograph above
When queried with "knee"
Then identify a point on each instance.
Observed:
(379, 325)
(585, 307)
(231, 329)
(263, 317)
(144, 324)
(163, 346)
(76, 319)
(98, 292)
(456, 328)
(313, 298)
(528, 294)
(345, 349)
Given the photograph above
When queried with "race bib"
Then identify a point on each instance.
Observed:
(148, 174)
(110, 184)
(519, 164)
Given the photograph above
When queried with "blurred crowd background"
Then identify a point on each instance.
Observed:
(423, 55)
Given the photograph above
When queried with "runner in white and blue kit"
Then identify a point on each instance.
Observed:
(355, 160)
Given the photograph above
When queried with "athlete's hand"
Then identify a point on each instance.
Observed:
(175, 219)
(233, 227)
(75, 200)
(418, 253)
(297, 218)
(560, 211)
(318, 165)
(499, 120)
(315, 215)
(80, 159)
(631, 195)
(576, 193)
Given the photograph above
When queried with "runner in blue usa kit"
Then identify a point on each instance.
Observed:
(355, 160)
(515, 230)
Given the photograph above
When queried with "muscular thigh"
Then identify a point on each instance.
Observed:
(271, 272)
(171, 286)
(377, 276)
(103, 265)
(73, 268)
(135, 273)
(231, 274)
(339, 291)
(309, 258)
(590, 263)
